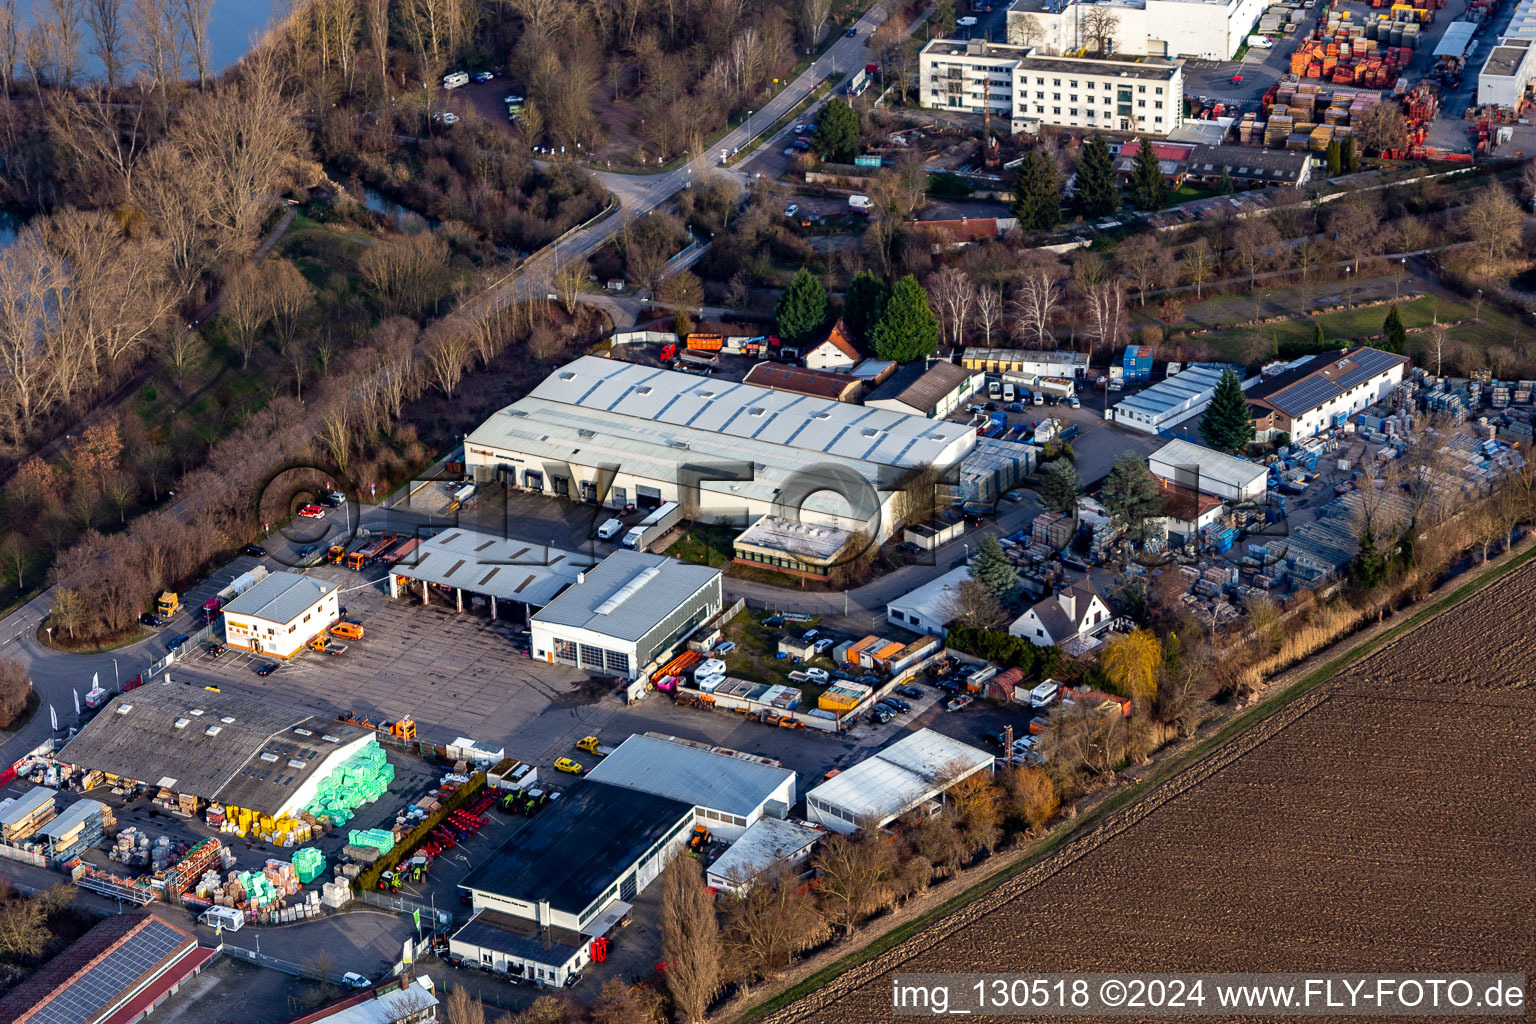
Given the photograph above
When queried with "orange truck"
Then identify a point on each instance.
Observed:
(373, 549)
(706, 342)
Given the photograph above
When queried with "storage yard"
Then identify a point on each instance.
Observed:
(1406, 786)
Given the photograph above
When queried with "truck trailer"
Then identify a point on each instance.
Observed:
(240, 584)
(653, 527)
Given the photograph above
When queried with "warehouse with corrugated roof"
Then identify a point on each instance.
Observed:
(515, 576)
(620, 615)
(913, 771)
(214, 747)
(618, 433)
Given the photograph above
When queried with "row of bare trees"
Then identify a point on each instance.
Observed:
(156, 42)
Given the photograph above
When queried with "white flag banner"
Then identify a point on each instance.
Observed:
(77, 701)
(53, 718)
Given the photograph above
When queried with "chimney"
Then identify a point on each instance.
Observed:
(1068, 600)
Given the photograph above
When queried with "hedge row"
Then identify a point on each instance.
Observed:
(368, 878)
(1004, 649)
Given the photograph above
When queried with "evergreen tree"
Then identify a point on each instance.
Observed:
(1396, 333)
(1370, 565)
(1148, 186)
(1131, 495)
(991, 568)
(1227, 427)
(1037, 192)
(1225, 186)
(863, 303)
(1061, 489)
(1097, 193)
(802, 309)
(1319, 340)
(837, 132)
(907, 328)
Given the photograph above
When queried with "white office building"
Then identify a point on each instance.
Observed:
(1203, 29)
(1144, 96)
(281, 614)
(617, 433)
(1171, 400)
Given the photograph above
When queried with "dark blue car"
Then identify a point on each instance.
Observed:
(175, 642)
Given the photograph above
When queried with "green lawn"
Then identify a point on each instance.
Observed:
(704, 545)
(756, 645)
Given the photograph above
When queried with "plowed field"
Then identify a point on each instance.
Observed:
(1390, 827)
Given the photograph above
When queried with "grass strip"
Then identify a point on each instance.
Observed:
(1160, 774)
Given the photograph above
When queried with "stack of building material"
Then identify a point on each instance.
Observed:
(308, 863)
(335, 894)
(360, 779)
(375, 837)
(256, 887)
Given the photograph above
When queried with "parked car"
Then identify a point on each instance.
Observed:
(254, 550)
(512, 100)
(824, 645)
(176, 642)
(852, 32)
(216, 650)
(868, 680)
(266, 668)
(153, 621)
(880, 716)
(774, 620)
(962, 701)
(889, 708)
(610, 529)
(725, 648)
(791, 209)
(1074, 403)
(817, 675)
(990, 407)
(898, 704)
(801, 129)
(810, 634)
(565, 764)
(484, 76)
(446, 117)
(312, 512)
(1015, 407)
(842, 676)
(305, 552)
(354, 980)
(335, 499)
(910, 691)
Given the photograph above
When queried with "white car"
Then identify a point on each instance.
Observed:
(792, 209)
(510, 100)
(824, 645)
(966, 22)
(609, 529)
(484, 76)
(817, 675)
(354, 980)
(446, 117)
(801, 129)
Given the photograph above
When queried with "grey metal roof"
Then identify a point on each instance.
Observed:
(71, 816)
(579, 845)
(627, 595)
(903, 775)
(482, 563)
(661, 411)
(766, 843)
(26, 804)
(281, 597)
(216, 751)
(691, 774)
(922, 389)
(1218, 466)
(1173, 394)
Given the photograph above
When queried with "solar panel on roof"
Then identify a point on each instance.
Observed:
(111, 976)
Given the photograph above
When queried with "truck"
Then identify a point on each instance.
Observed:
(373, 549)
(336, 553)
(325, 645)
(167, 604)
(402, 552)
(861, 205)
(1057, 387)
(697, 362)
(653, 527)
(592, 746)
(669, 352)
(859, 82)
(1047, 431)
(240, 584)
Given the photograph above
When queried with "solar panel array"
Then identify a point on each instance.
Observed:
(105, 983)
(1307, 393)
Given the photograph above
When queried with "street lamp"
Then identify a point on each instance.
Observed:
(749, 126)
(115, 677)
(1477, 307)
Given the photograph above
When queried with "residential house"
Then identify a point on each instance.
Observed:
(1070, 613)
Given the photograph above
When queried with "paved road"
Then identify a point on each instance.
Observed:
(639, 194)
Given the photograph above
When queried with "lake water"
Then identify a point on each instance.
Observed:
(233, 25)
(10, 224)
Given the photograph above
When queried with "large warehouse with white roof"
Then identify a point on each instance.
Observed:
(601, 429)
(915, 769)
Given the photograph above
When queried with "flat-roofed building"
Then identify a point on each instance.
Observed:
(802, 549)
(620, 615)
(1144, 96)
(498, 570)
(1506, 74)
(1059, 363)
(1169, 401)
(729, 793)
(767, 847)
(1203, 29)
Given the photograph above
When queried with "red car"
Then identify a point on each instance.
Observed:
(312, 512)
(1237, 79)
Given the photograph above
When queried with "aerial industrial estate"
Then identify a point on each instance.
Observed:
(544, 514)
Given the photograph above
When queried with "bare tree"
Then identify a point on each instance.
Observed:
(770, 923)
(10, 45)
(62, 26)
(376, 25)
(152, 43)
(855, 879)
(1255, 242)
(109, 36)
(989, 312)
(244, 310)
(1493, 222)
(1038, 300)
(182, 349)
(971, 604)
(1352, 224)
(953, 293)
(1106, 310)
(813, 19)
(462, 1008)
(1307, 255)
(1199, 264)
(1100, 25)
(690, 939)
(1145, 262)
(448, 347)
(289, 298)
(1025, 30)
(194, 31)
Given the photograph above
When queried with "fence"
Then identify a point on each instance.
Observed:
(408, 907)
(190, 644)
(644, 338)
(37, 860)
(286, 966)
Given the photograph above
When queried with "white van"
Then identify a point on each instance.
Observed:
(1262, 42)
(609, 529)
(454, 79)
(1044, 695)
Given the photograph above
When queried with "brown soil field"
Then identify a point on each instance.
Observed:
(1386, 822)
